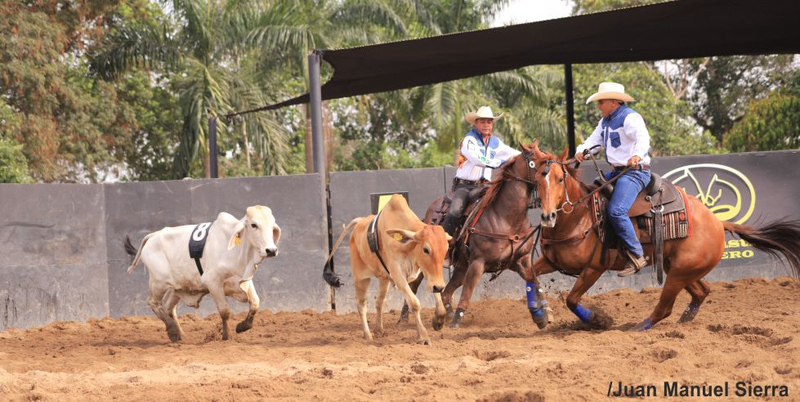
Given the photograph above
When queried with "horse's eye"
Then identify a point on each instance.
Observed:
(254, 226)
(560, 180)
(426, 250)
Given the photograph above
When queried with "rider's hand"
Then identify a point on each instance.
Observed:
(580, 156)
(634, 161)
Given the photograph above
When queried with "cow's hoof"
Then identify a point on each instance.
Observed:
(243, 326)
(174, 334)
(437, 326)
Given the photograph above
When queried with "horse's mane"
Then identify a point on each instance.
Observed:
(497, 184)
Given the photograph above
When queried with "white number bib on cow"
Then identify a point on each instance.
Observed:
(197, 242)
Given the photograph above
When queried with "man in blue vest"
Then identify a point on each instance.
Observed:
(624, 136)
(480, 153)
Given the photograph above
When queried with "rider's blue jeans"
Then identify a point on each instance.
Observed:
(626, 188)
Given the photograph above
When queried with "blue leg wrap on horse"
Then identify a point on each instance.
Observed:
(646, 324)
(530, 293)
(582, 313)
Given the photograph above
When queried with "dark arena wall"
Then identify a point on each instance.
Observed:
(61, 255)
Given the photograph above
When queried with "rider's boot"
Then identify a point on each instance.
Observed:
(634, 265)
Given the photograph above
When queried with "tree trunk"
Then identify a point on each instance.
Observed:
(246, 144)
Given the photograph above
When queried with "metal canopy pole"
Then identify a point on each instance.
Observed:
(212, 147)
(315, 92)
(568, 89)
(315, 103)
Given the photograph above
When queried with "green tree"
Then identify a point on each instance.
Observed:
(422, 126)
(717, 89)
(13, 164)
(726, 85)
(769, 124)
(69, 123)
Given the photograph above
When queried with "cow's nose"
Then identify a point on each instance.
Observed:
(438, 289)
(272, 252)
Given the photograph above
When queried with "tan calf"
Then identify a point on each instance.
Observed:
(408, 247)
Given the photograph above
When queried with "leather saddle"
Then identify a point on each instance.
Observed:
(443, 208)
(660, 212)
(658, 193)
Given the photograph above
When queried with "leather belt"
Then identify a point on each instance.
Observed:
(638, 167)
(470, 182)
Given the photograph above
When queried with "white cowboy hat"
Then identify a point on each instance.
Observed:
(610, 90)
(484, 112)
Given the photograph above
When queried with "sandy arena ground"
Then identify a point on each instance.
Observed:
(748, 330)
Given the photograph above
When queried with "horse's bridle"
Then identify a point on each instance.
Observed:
(534, 201)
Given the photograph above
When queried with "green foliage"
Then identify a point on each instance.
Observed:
(728, 84)
(13, 164)
(123, 89)
(155, 113)
(772, 123)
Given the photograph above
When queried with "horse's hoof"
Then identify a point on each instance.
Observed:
(453, 324)
(600, 320)
(403, 315)
(426, 342)
(689, 314)
(539, 317)
(642, 326)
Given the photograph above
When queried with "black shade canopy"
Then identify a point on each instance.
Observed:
(669, 30)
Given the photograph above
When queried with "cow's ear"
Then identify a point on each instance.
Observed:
(448, 237)
(276, 233)
(401, 235)
(238, 230)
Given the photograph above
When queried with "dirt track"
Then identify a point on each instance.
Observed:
(748, 330)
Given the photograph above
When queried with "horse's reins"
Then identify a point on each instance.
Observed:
(579, 236)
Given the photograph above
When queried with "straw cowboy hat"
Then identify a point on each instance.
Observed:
(610, 90)
(484, 112)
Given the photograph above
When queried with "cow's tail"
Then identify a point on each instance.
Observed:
(131, 250)
(776, 238)
(328, 273)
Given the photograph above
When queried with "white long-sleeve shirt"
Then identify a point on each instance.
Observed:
(478, 159)
(623, 134)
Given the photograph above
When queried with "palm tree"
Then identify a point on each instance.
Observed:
(222, 54)
(522, 94)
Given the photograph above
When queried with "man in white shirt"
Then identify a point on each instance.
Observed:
(624, 136)
(480, 153)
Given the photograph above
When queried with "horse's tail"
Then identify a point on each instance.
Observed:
(775, 238)
(328, 273)
(131, 250)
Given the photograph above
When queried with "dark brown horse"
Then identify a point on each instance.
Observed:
(570, 245)
(496, 236)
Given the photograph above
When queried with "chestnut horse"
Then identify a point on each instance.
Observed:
(570, 245)
(496, 236)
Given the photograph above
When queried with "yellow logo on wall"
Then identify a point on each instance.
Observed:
(727, 192)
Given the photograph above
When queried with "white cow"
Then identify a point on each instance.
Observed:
(233, 250)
